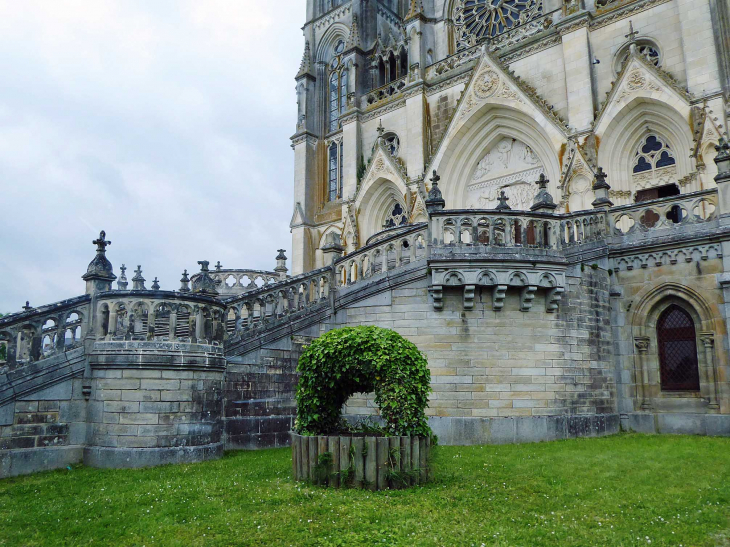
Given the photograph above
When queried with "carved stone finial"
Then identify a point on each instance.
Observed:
(722, 159)
(600, 190)
(138, 280)
(632, 36)
(203, 283)
(100, 273)
(155, 284)
(281, 268)
(543, 199)
(27, 306)
(185, 282)
(218, 266)
(435, 201)
(503, 199)
(380, 129)
(122, 284)
(305, 68)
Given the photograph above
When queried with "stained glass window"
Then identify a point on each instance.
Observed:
(333, 172)
(475, 20)
(397, 217)
(652, 153)
(334, 104)
(343, 91)
(677, 340)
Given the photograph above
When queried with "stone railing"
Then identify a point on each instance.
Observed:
(659, 217)
(515, 229)
(39, 333)
(161, 316)
(385, 92)
(252, 312)
(453, 61)
(233, 282)
(385, 254)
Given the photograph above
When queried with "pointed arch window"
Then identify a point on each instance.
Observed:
(396, 217)
(652, 154)
(677, 341)
(338, 87)
(333, 170)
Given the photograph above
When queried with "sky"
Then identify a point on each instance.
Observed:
(164, 122)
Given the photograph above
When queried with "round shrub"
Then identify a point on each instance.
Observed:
(362, 360)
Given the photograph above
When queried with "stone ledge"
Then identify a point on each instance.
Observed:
(715, 425)
(133, 458)
(516, 430)
(32, 460)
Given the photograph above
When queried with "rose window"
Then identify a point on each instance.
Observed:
(476, 20)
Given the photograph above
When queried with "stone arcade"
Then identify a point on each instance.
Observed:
(536, 193)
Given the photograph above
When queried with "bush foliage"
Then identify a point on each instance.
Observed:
(363, 360)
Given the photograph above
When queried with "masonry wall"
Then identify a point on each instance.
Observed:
(505, 364)
(260, 396)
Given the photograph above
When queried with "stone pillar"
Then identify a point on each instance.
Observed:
(350, 157)
(305, 201)
(577, 54)
(710, 380)
(415, 118)
(173, 324)
(698, 45)
(642, 372)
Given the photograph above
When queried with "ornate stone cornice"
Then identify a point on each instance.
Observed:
(401, 103)
(333, 16)
(307, 137)
(610, 15)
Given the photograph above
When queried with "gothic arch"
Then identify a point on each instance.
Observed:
(458, 157)
(335, 33)
(652, 303)
(374, 202)
(637, 119)
(318, 255)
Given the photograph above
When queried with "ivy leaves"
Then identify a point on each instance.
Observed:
(362, 360)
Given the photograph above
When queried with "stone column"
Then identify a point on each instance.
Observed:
(577, 54)
(173, 324)
(642, 372)
(708, 341)
(112, 328)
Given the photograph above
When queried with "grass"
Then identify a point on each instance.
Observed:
(622, 490)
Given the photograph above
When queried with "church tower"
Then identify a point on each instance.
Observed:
(494, 98)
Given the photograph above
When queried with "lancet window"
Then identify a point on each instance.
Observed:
(677, 341)
(338, 87)
(334, 170)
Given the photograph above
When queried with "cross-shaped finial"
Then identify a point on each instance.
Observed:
(632, 33)
(503, 199)
(218, 266)
(101, 243)
(185, 274)
(155, 284)
(381, 129)
(27, 306)
(435, 178)
(542, 182)
(123, 269)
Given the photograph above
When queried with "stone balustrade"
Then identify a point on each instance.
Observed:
(657, 218)
(162, 316)
(383, 254)
(251, 312)
(233, 282)
(385, 92)
(40, 333)
(515, 229)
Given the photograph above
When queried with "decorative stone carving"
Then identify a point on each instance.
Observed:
(469, 291)
(498, 296)
(526, 297)
(637, 80)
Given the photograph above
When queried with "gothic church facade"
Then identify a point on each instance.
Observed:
(535, 192)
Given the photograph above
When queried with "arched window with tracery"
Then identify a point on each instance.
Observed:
(338, 87)
(396, 217)
(653, 166)
(333, 170)
(652, 154)
(677, 342)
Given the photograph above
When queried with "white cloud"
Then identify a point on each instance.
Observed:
(165, 123)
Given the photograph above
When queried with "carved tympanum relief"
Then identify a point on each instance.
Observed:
(510, 165)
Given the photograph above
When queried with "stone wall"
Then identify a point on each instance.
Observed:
(509, 363)
(259, 395)
(172, 411)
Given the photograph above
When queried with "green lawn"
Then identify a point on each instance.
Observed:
(622, 490)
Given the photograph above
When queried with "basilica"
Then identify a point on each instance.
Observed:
(534, 192)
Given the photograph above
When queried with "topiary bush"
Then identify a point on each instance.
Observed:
(361, 360)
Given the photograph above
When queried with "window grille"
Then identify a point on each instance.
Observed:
(677, 341)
